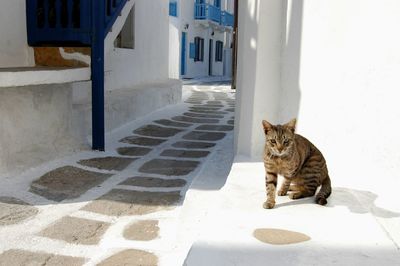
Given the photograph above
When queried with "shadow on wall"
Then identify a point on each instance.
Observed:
(290, 95)
(357, 201)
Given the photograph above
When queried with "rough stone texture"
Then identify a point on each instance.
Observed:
(131, 257)
(203, 115)
(166, 122)
(193, 102)
(215, 127)
(120, 202)
(231, 122)
(143, 141)
(230, 109)
(184, 153)
(208, 105)
(279, 237)
(67, 182)
(157, 131)
(195, 120)
(196, 110)
(13, 211)
(169, 167)
(133, 151)
(108, 163)
(193, 145)
(76, 231)
(202, 135)
(142, 181)
(214, 102)
(142, 231)
(14, 257)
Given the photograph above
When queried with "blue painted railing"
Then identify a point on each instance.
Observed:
(77, 23)
(63, 22)
(227, 19)
(207, 11)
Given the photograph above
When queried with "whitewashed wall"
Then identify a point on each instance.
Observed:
(199, 69)
(336, 68)
(148, 62)
(175, 28)
(14, 50)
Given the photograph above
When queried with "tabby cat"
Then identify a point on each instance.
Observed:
(295, 158)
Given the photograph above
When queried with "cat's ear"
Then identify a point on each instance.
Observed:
(291, 124)
(267, 126)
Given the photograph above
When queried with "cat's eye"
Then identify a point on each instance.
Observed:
(272, 141)
(286, 142)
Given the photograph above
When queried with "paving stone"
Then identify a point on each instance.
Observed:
(195, 120)
(230, 109)
(194, 110)
(203, 115)
(76, 230)
(279, 236)
(13, 211)
(207, 108)
(66, 182)
(157, 131)
(142, 231)
(120, 202)
(15, 257)
(202, 135)
(143, 141)
(133, 151)
(193, 145)
(185, 153)
(168, 167)
(215, 127)
(214, 102)
(193, 102)
(131, 257)
(108, 163)
(231, 122)
(142, 181)
(171, 123)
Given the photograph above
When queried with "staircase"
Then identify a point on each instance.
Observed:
(77, 23)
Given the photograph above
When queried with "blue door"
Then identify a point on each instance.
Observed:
(183, 54)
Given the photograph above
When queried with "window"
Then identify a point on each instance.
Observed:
(173, 9)
(199, 49)
(126, 38)
(217, 3)
(219, 51)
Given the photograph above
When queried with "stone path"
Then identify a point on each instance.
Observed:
(110, 208)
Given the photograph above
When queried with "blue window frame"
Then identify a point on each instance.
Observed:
(219, 50)
(217, 3)
(199, 49)
(173, 9)
(192, 51)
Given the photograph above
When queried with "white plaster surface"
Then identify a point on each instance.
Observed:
(30, 76)
(14, 49)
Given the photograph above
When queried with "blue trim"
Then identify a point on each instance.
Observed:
(183, 53)
(97, 66)
(173, 9)
(192, 50)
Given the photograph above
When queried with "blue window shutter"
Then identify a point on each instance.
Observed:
(192, 50)
(173, 9)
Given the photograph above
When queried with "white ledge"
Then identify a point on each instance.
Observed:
(26, 76)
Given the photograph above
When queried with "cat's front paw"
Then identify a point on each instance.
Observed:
(296, 195)
(268, 205)
(282, 193)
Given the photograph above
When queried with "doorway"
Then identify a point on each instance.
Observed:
(183, 54)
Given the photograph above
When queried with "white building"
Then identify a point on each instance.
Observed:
(46, 112)
(201, 38)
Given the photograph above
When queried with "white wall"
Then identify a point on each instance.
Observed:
(149, 61)
(199, 69)
(14, 50)
(258, 80)
(338, 73)
(175, 27)
(344, 62)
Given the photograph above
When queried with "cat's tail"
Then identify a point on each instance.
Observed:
(324, 192)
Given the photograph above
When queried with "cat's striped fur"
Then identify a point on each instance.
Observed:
(295, 158)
